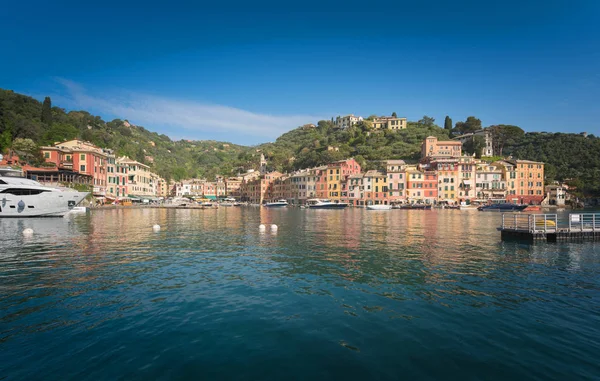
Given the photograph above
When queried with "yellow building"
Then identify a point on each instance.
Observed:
(139, 177)
(389, 123)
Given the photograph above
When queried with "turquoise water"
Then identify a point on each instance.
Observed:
(334, 294)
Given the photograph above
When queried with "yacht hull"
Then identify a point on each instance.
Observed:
(330, 206)
(379, 207)
(47, 204)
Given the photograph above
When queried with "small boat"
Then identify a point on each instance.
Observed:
(414, 206)
(379, 207)
(277, 204)
(316, 203)
(468, 207)
(505, 207)
(229, 202)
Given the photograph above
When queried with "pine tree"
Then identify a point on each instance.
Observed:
(448, 123)
(394, 115)
(47, 111)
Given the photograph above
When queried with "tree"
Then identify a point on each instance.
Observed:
(474, 145)
(472, 124)
(59, 132)
(504, 135)
(47, 111)
(394, 115)
(448, 123)
(426, 121)
(364, 125)
(27, 150)
(5, 139)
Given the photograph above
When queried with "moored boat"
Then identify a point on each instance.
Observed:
(379, 207)
(229, 202)
(316, 203)
(503, 207)
(414, 206)
(21, 197)
(277, 204)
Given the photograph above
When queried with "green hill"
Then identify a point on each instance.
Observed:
(22, 117)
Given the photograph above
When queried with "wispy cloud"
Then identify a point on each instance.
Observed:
(195, 118)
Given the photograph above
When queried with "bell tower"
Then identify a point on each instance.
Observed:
(263, 164)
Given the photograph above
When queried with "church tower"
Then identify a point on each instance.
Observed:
(263, 164)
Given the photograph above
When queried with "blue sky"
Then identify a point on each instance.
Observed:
(248, 72)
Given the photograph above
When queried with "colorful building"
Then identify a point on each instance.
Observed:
(396, 175)
(432, 148)
(83, 157)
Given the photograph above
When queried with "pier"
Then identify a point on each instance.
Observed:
(548, 228)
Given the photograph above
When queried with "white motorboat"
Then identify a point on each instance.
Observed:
(21, 197)
(379, 207)
(316, 203)
(229, 202)
(277, 204)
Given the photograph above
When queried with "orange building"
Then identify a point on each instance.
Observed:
(421, 186)
(524, 180)
(337, 174)
(433, 148)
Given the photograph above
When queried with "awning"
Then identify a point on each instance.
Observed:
(210, 197)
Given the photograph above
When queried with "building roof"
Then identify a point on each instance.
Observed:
(397, 162)
(374, 173)
(126, 160)
(527, 162)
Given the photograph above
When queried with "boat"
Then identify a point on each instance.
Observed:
(504, 207)
(229, 202)
(316, 203)
(379, 207)
(468, 207)
(277, 204)
(22, 197)
(414, 206)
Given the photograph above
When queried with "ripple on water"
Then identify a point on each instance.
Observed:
(334, 294)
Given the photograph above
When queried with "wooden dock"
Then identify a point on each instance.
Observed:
(548, 228)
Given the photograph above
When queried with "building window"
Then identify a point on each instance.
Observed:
(82, 156)
(82, 168)
(47, 155)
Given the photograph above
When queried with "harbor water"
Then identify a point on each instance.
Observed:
(332, 294)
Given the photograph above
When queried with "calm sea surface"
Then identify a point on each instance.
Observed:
(334, 294)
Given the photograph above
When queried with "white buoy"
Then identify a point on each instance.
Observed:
(156, 228)
(28, 232)
(274, 228)
(262, 227)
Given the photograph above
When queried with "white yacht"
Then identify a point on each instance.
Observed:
(21, 197)
(379, 207)
(277, 204)
(316, 203)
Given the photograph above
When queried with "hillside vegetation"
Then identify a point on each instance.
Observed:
(571, 157)
(22, 117)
